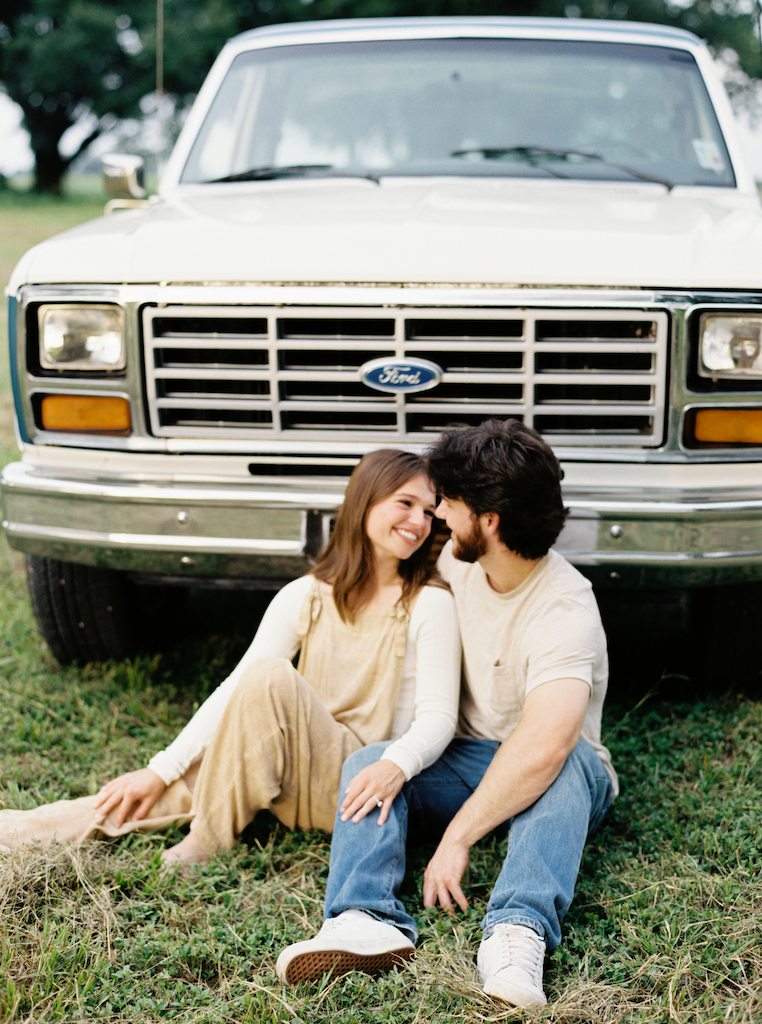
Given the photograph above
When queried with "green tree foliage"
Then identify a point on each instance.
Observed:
(61, 60)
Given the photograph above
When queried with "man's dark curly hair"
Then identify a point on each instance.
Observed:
(505, 467)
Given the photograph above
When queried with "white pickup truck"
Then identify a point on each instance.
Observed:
(369, 230)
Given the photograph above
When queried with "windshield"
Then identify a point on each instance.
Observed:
(497, 107)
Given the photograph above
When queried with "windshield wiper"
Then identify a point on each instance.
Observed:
(533, 154)
(292, 171)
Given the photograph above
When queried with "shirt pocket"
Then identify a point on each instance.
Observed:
(506, 699)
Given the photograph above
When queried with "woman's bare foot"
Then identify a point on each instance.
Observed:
(187, 851)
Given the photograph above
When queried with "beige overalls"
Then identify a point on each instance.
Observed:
(280, 744)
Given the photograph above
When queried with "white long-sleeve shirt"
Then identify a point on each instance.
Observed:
(426, 715)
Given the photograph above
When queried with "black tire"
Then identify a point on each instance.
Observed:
(726, 632)
(86, 613)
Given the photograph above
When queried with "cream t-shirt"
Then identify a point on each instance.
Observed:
(548, 628)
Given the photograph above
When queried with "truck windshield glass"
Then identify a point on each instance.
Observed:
(518, 108)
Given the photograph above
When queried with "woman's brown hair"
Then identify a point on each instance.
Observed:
(347, 561)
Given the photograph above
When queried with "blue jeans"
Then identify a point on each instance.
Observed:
(545, 842)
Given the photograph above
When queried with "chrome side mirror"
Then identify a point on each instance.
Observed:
(123, 176)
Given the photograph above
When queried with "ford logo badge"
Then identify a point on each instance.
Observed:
(401, 375)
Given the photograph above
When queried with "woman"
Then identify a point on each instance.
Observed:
(379, 658)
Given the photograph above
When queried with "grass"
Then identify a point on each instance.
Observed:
(665, 925)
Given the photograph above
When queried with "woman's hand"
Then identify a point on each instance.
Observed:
(382, 781)
(139, 790)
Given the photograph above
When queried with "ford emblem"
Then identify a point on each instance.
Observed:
(401, 375)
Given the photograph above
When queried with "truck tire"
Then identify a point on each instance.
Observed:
(86, 613)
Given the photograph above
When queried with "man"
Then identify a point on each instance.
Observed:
(528, 758)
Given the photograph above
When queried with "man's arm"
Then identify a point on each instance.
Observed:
(525, 765)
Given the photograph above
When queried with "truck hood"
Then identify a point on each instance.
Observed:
(444, 231)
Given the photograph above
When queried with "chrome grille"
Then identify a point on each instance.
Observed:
(587, 377)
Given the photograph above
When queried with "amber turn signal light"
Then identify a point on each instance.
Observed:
(728, 426)
(86, 414)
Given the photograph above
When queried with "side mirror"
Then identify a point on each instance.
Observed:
(123, 176)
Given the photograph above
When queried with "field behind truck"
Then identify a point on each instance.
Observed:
(665, 925)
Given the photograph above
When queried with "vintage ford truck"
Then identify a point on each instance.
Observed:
(369, 230)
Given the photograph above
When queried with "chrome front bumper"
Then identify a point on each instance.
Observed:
(161, 527)
(637, 525)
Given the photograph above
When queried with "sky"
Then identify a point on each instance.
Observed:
(15, 155)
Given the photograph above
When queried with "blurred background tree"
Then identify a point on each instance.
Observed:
(68, 62)
(61, 61)
(92, 62)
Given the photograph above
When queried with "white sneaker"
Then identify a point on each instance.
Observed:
(353, 941)
(510, 965)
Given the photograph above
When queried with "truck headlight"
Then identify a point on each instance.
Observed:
(730, 346)
(81, 338)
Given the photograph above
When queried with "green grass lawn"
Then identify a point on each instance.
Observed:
(665, 925)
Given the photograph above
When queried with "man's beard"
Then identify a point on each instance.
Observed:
(472, 546)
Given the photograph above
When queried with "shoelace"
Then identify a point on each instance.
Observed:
(337, 922)
(518, 950)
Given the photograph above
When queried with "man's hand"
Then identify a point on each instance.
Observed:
(443, 874)
(139, 790)
(382, 781)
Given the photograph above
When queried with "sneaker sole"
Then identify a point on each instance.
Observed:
(512, 994)
(314, 964)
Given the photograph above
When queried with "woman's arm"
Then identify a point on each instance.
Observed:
(277, 637)
(436, 638)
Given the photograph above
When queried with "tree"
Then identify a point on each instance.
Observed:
(59, 62)
(66, 60)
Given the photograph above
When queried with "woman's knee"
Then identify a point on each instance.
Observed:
(273, 679)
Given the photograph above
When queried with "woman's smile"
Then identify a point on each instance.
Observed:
(398, 525)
